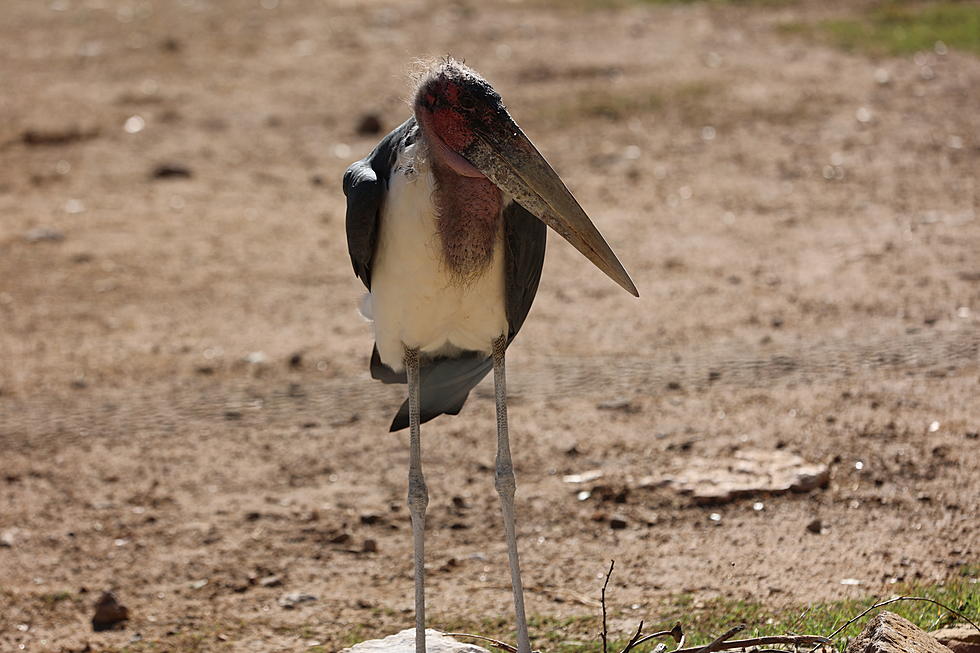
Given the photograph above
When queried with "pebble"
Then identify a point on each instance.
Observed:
(108, 613)
(291, 600)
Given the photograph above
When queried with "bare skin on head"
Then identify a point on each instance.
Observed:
(467, 203)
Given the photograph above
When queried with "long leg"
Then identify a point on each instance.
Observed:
(418, 494)
(506, 487)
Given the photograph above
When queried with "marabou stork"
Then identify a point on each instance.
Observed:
(446, 228)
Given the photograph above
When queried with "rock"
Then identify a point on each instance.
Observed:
(270, 581)
(56, 136)
(109, 613)
(43, 234)
(8, 537)
(816, 527)
(369, 124)
(584, 477)
(617, 522)
(171, 171)
(619, 405)
(959, 639)
(889, 633)
(290, 601)
(404, 642)
(746, 473)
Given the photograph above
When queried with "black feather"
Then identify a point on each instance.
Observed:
(365, 185)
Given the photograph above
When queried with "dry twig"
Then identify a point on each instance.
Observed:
(796, 640)
(602, 601)
(676, 632)
(493, 642)
(716, 644)
(634, 639)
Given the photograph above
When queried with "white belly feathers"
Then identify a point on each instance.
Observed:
(415, 301)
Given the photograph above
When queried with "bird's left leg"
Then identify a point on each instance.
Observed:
(418, 494)
(506, 487)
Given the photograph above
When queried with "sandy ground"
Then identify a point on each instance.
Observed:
(185, 409)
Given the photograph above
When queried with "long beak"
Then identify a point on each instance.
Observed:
(509, 159)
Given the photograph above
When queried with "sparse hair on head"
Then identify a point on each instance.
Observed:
(425, 68)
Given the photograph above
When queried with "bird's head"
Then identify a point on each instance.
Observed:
(453, 103)
(466, 127)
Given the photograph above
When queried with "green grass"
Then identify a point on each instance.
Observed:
(897, 28)
(692, 100)
(617, 4)
(704, 620)
(749, 3)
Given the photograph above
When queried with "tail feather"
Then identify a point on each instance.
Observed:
(445, 384)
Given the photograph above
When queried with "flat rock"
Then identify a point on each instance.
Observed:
(961, 638)
(748, 472)
(889, 633)
(404, 642)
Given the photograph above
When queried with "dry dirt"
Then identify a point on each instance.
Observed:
(184, 401)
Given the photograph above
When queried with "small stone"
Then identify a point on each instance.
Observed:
(815, 526)
(43, 234)
(619, 405)
(7, 538)
(340, 538)
(171, 171)
(369, 546)
(270, 581)
(109, 613)
(290, 601)
(617, 522)
(584, 477)
(369, 125)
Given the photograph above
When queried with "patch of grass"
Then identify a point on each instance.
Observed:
(53, 598)
(704, 620)
(690, 100)
(900, 28)
(749, 3)
(599, 5)
(615, 4)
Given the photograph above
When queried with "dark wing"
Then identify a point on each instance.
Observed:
(525, 237)
(365, 185)
(446, 382)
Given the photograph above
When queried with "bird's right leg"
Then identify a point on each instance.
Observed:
(418, 494)
(506, 488)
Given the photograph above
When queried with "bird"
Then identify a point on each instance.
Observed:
(446, 227)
